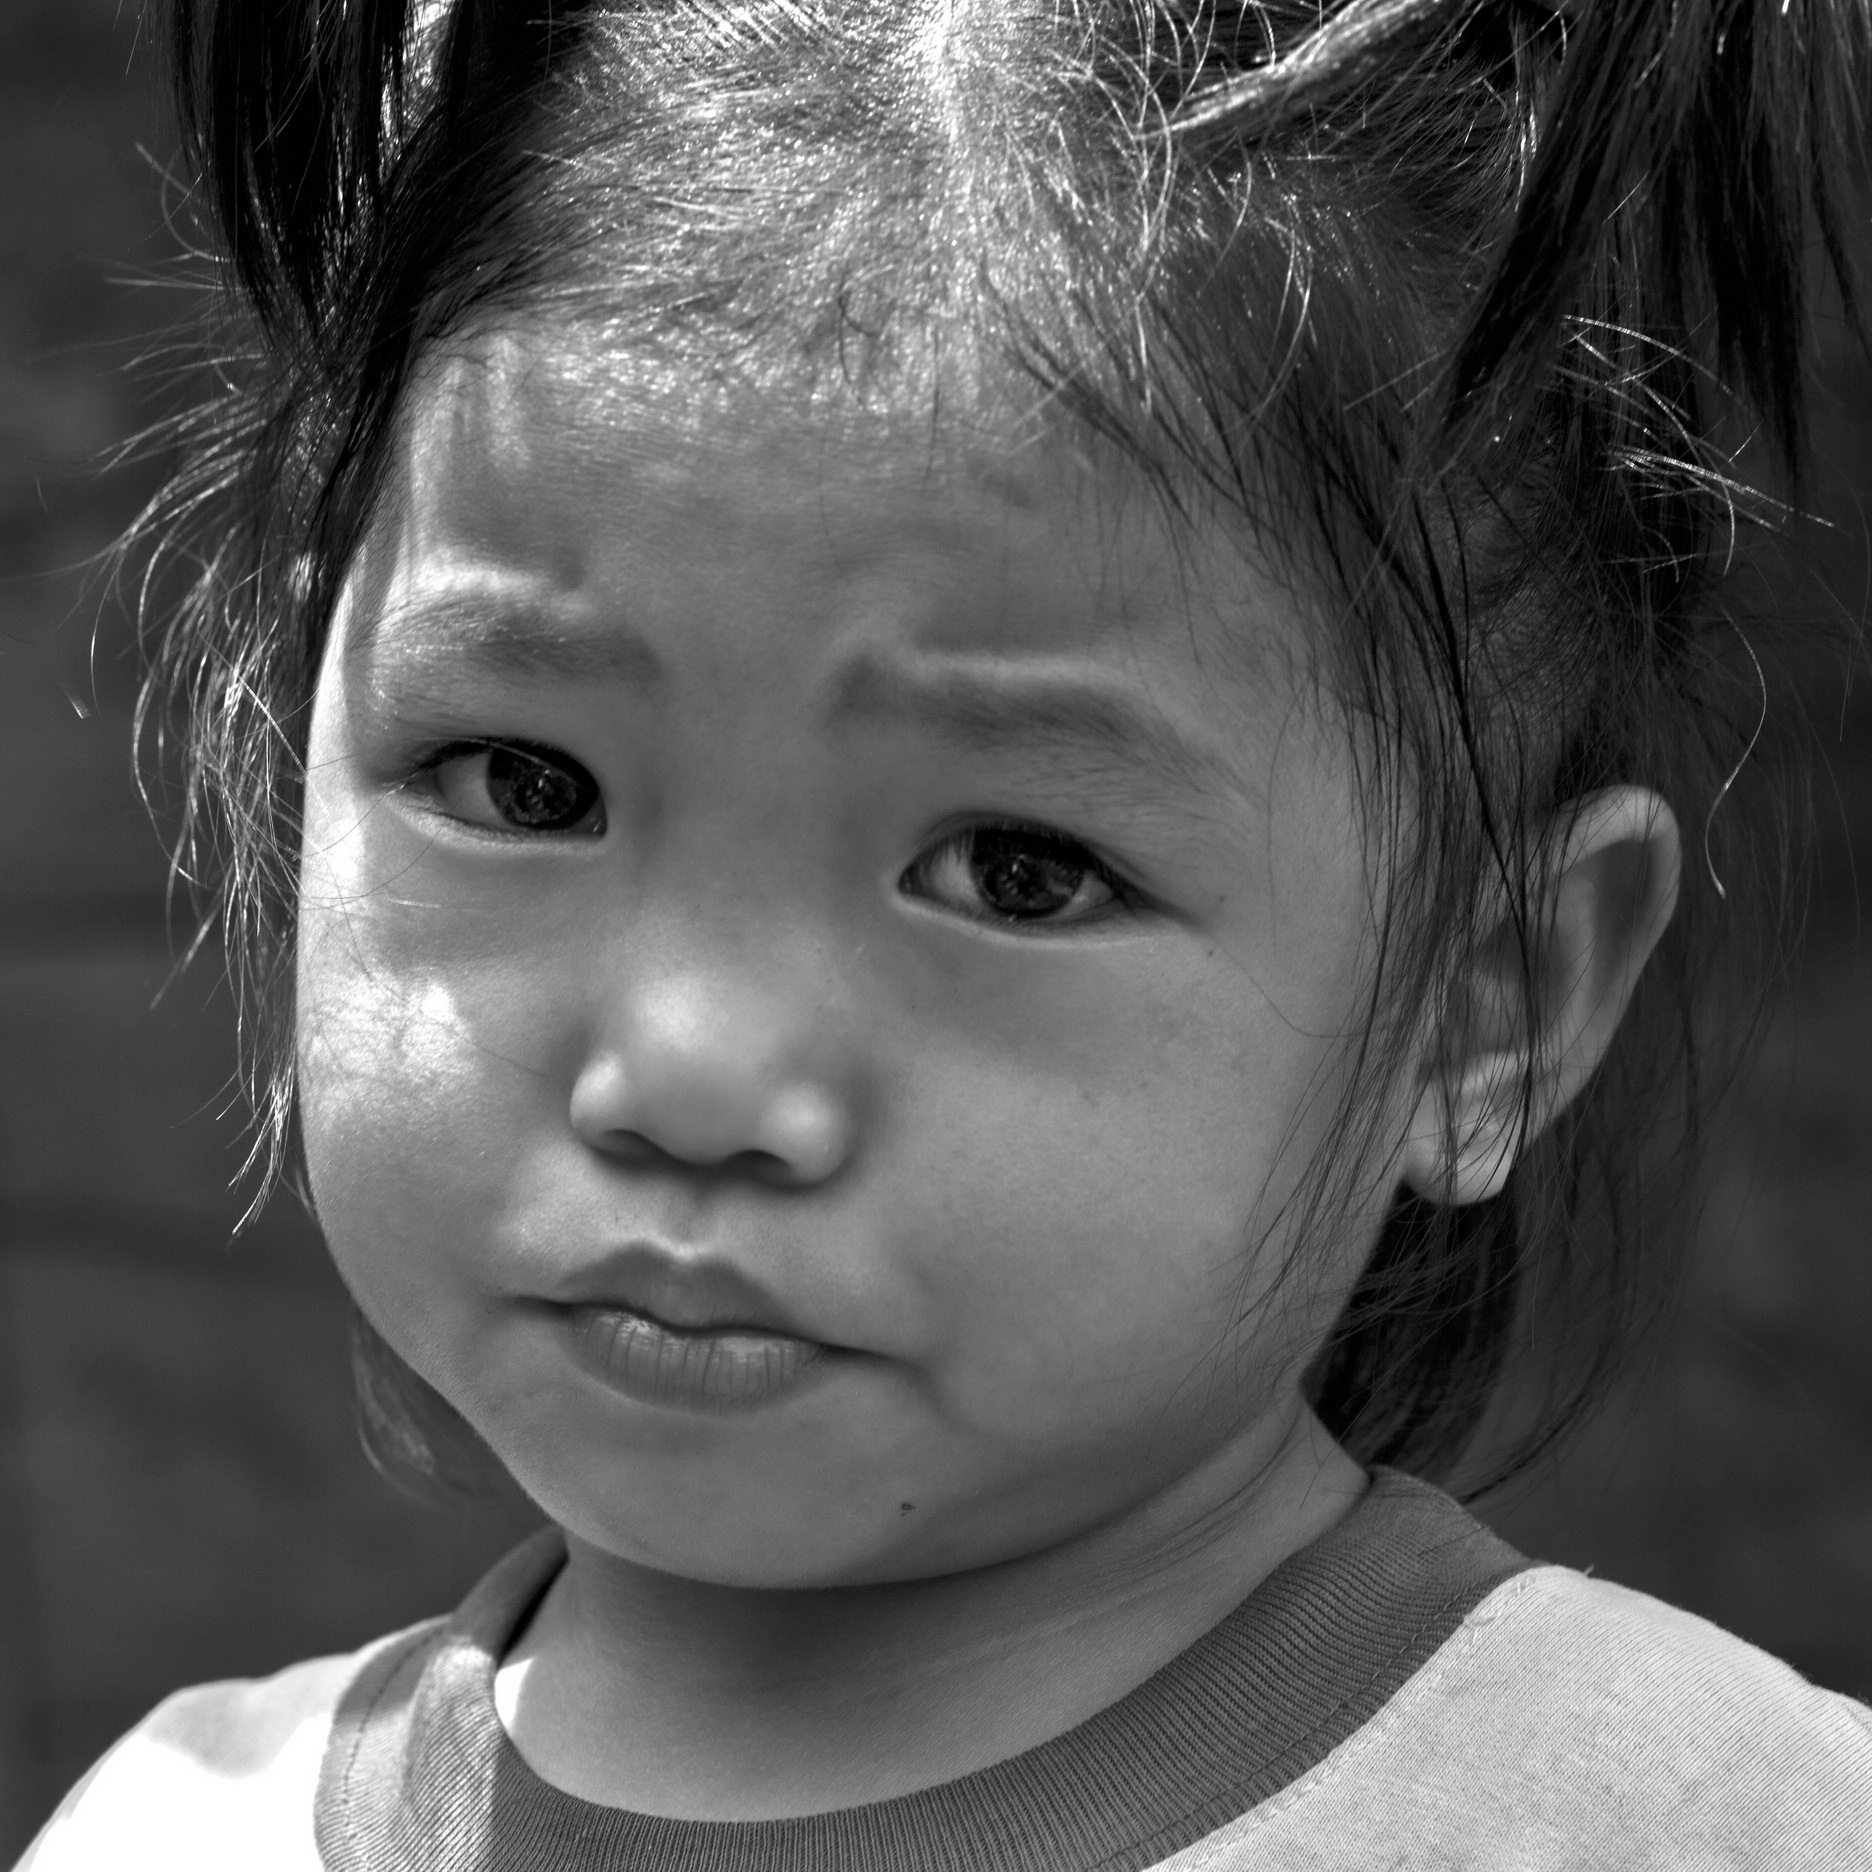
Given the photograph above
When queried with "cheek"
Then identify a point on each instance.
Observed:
(390, 1100)
(1099, 1234)
(423, 1057)
(419, 997)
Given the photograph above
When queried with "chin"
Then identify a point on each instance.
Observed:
(753, 1556)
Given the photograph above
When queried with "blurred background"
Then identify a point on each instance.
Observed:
(181, 1492)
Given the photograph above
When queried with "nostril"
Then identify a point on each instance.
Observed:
(806, 1131)
(637, 1150)
(810, 1156)
(764, 1166)
(792, 1133)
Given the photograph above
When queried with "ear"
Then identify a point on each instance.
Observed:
(1518, 1043)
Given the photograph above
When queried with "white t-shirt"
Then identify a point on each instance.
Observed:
(1406, 1695)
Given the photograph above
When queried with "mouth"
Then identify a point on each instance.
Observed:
(669, 1329)
(725, 1368)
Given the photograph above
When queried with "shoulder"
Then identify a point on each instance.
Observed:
(1568, 1722)
(1634, 1680)
(219, 1776)
(1614, 1716)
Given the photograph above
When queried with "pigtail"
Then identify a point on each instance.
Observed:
(290, 113)
(1690, 147)
(300, 117)
(1687, 149)
(1250, 79)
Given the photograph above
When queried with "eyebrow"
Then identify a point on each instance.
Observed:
(511, 633)
(1005, 707)
(1010, 707)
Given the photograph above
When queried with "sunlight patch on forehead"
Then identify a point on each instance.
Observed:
(507, 433)
(473, 437)
(522, 398)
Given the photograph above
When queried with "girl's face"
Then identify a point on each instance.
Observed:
(820, 963)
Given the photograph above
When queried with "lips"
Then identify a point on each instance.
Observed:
(667, 1330)
(689, 1293)
(721, 1370)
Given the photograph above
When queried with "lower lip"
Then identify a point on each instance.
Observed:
(726, 1369)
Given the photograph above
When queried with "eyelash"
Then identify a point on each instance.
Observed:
(1031, 860)
(1124, 895)
(429, 767)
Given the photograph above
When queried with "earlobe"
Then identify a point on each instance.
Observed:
(1525, 1037)
(1468, 1129)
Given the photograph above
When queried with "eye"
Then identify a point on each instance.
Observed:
(1014, 874)
(508, 787)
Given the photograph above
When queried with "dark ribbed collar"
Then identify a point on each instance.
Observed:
(419, 1775)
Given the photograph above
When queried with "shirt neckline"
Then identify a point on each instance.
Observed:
(420, 1774)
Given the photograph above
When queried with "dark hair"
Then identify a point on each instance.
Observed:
(1467, 304)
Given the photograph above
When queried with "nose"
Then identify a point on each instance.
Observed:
(718, 1076)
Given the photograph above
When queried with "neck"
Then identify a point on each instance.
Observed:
(636, 1689)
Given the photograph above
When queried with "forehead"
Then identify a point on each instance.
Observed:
(553, 461)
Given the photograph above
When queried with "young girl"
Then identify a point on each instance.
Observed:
(965, 758)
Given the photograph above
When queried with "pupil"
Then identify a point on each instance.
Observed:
(530, 792)
(1022, 878)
